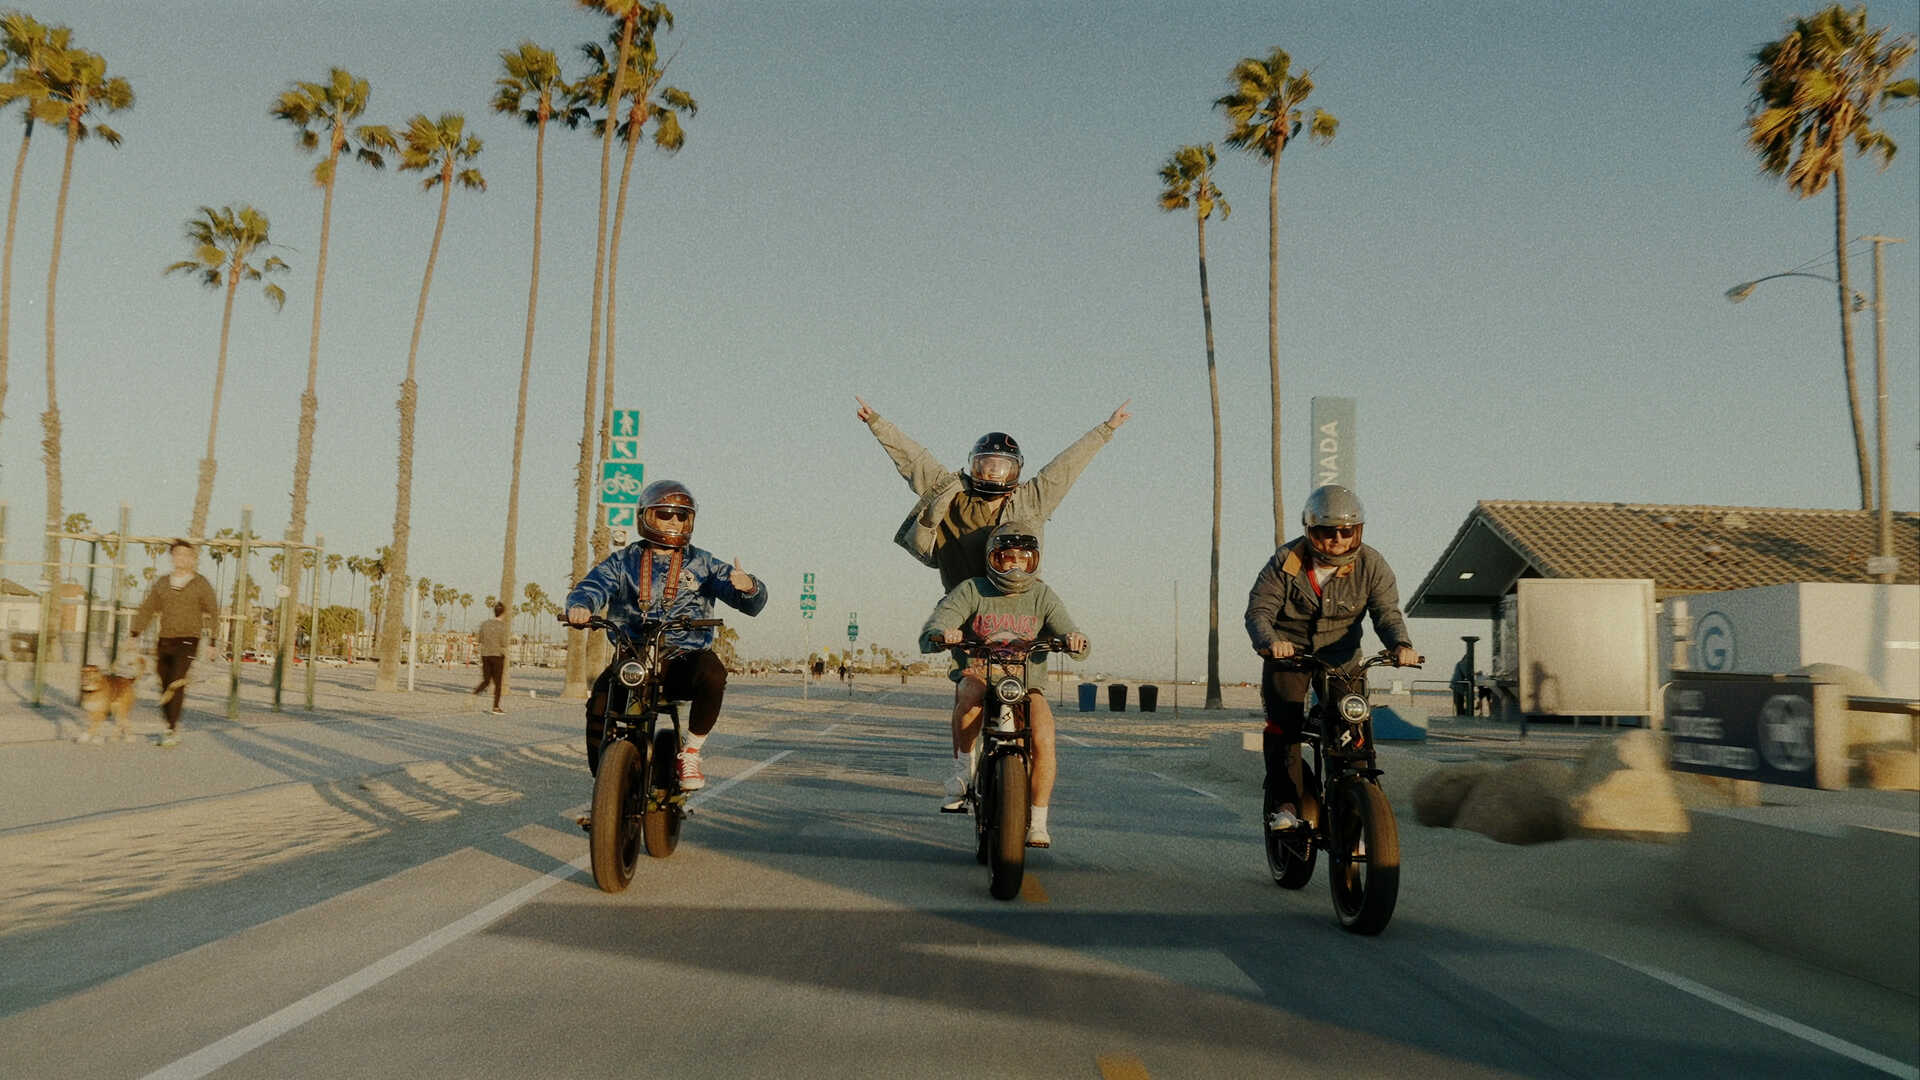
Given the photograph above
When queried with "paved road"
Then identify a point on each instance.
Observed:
(406, 910)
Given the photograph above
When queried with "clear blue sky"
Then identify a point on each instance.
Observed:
(1513, 256)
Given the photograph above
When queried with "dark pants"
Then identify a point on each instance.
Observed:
(493, 669)
(698, 677)
(172, 657)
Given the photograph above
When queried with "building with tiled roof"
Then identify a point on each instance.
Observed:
(1682, 549)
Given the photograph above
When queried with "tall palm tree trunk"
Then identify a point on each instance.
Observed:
(508, 557)
(6, 264)
(1846, 334)
(578, 676)
(388, 675)
(50, 420)
(310, 400)
(203, 498)
(1213, 396)
(602, 538)
(1273, 337)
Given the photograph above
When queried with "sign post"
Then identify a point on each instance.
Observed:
(622, 476)
(808, 603)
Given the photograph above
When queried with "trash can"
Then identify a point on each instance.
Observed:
(1149, 697)
(1117, 697)
(1089, 694)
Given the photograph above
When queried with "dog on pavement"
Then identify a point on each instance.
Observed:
(103, 692)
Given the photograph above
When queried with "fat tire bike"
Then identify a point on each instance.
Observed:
(637, 800)
(1002, 761)
(1344, 810)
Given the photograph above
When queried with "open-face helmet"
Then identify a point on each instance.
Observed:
(993, 468)
(1332, 514)
(1013, 556)
(666, 513)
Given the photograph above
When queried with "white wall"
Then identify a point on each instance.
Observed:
(1775, 629)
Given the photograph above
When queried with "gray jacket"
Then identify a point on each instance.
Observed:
(1033, 501)
(1285, 606)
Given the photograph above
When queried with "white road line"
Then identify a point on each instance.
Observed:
(1178, 784)
(1779, 1023)
(1075, 741)
(261, 1032)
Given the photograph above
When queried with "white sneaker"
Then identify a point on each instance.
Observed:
(691, 778)
(1284, 820)
(956, 801)
(1038, 837)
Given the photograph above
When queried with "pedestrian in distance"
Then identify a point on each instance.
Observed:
(493, 654)
(185, 606)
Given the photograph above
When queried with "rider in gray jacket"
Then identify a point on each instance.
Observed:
(948, 527)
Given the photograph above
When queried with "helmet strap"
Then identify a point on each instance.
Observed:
(674, 560)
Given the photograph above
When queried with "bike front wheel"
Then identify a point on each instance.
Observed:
(614, 840)
(1006, 835)
(1363, 856)
(660, 820)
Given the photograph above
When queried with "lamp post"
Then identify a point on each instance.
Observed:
(1886, 565)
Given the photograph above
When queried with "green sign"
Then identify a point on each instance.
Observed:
(621, 481)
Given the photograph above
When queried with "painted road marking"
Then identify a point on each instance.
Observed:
(261, 1032)
(1121, 1067)
(1779, 1023)
(1031, 892)
(1178, 784)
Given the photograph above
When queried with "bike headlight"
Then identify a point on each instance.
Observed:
(632, 674)
(1353, 708)
(1010, 689)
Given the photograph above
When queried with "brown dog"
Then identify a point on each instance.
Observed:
(102, 692)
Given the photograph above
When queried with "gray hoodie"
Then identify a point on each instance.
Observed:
(937, 486)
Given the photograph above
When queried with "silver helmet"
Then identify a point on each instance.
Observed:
(1331, 513)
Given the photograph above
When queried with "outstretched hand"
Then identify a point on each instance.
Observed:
(865, 412)
(1120, 415)
(741, 580)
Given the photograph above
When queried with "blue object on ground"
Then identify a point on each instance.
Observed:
(1389, 727)
(1089, 695)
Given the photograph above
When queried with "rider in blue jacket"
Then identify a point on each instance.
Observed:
(663, 576)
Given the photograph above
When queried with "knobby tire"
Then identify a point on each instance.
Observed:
(614, 841)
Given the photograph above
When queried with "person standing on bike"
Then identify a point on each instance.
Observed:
(948, 527)
(1309, 598)
(661, 577)
(1008, 603)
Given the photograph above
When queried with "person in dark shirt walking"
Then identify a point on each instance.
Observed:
(185, 605)
(493, 654)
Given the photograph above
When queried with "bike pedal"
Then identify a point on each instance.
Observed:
(585, 822)
(961, 809)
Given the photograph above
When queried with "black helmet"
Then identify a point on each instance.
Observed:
(993, 468)
(1013, 536)
(666, 513)
(1332, 507)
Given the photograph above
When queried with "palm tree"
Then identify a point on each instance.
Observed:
(1818, 88)
(334, 560)
(25, 44)
(1188, 176)
(444, 151)
(628, 15)
(466, 605)
(223, 240)
(77, 86)
(534, 90)
(1263, 114)
(645, 100)
(325, 112)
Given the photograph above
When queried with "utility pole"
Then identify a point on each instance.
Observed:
(1888, 563)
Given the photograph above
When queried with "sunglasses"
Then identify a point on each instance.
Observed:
(1328, 532)
(670, 513)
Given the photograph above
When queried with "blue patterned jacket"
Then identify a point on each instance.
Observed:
(614, 585)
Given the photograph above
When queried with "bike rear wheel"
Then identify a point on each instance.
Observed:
(614, 840)
(660, 820)
(1006, 834)
(1290, 855)
(1363, 856)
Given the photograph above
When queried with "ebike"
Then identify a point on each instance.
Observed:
(637, 799)
(1342, 805)
(1002, 760)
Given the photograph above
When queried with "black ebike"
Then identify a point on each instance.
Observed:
(637, 799)
(1341, 802)
(1002, 760)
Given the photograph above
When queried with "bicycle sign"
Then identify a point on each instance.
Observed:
(621, 481)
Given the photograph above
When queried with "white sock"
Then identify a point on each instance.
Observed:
(692, 743)
(1037, 818)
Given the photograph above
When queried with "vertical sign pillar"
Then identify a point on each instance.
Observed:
(1332, 455)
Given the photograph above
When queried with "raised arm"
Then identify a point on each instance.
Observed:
(1052, 483)
(923, 471)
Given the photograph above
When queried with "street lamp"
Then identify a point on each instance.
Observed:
(1887, 566)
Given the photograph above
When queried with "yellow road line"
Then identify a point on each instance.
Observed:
(1121, 1067)
(1031, 892)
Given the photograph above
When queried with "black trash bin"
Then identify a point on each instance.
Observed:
(1149, 697)
(1117, 697)
(1089, 695)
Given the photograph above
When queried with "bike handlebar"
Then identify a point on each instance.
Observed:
(988, 648)
(1306, 661)
(658, 626)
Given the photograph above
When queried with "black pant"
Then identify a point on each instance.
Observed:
(698, 677)
(493, 669)
(1283, 694)
(172, 657)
